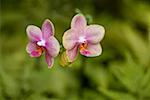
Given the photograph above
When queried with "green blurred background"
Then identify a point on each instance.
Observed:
(122, 72)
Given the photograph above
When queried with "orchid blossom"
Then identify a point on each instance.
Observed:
(41, 40)
(83, 38)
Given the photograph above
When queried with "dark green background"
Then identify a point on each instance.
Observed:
(122, 72)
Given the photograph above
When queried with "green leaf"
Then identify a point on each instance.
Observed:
(128, 73)
(10, 86)
(98, 75)
(145, 84)
(116, 95)
(92, 95)
(137, 45)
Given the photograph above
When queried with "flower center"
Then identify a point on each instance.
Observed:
(41, 43)
(83, 43)
(82, 39)
(40, 50)
(83, 46)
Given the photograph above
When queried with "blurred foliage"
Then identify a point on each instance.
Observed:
(122, 72)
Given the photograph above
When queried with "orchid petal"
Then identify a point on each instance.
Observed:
(70, 39)
(72, 54)
(47, 29)
(34, 33)
(92, 50)
(79, 23)
(94, 33)
(52, 46)
(49, 60)
(33, 50)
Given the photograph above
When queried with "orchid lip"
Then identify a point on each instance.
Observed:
(41, 43)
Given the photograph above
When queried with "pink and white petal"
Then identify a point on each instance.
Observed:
(32, 50)
(79, 23)
(70, 39)
(31, 47)
(34, 33)
(52, 46)
(47, 29)
(49, 60)
(94, 33)
(72, 54)
(92, 50)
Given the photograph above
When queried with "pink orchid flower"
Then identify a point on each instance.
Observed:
(82, 37)
(41, 40)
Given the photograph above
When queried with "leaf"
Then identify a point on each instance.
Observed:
(137, 45)
(116, 95)
(10, 86)
(145, 84)
(97, 75)
(37, 96)
(92, 95)
(128, 73)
